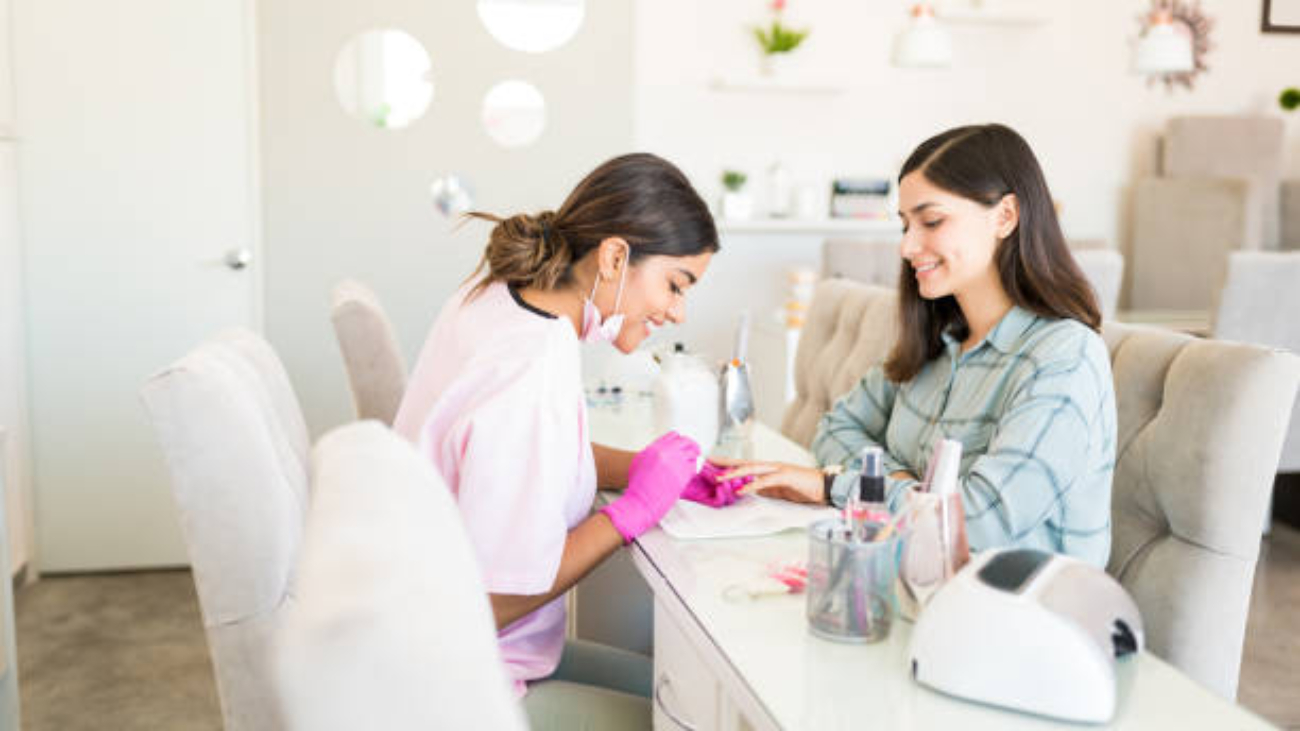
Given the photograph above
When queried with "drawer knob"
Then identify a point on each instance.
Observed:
(659, 701)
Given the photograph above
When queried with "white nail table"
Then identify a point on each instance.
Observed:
(723, 664)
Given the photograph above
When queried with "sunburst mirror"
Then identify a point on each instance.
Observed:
(1189, 21)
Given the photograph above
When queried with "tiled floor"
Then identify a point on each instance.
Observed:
(126, 651)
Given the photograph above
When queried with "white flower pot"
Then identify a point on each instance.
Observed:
(773, 65)
(736, 206)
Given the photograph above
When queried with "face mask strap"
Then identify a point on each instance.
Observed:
(622, 277)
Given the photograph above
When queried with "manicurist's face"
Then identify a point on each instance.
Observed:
(656, 295)
(949, 241)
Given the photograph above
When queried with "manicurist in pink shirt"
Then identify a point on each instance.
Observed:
(496, 403)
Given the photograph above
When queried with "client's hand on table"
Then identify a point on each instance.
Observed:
(776, 479)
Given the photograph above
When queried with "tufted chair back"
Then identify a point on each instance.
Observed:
(850, 327)
(1200, 428)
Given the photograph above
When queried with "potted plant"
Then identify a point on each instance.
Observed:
(776, 39)
(736, 203)
(1289, 99)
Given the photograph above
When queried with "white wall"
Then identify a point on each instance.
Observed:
(13, 350)
(342, 199)
(1064, 85)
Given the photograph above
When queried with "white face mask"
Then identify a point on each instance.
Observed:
(594, 330)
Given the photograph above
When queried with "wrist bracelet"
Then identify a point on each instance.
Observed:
(829, 473)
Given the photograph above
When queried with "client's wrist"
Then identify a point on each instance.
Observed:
(829, 473)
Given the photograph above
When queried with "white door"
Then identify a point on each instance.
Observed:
(136, 137)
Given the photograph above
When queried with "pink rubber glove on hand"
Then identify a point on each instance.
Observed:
(705, 488)
(655, 480)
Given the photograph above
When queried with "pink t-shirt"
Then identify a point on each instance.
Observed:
(496, 403)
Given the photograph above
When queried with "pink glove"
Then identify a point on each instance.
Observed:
(704, 487)
(655, 480)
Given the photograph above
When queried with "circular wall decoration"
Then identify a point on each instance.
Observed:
(1190, 21)
(452, 195)
(382, 78)
(514, 113)
(532, 26)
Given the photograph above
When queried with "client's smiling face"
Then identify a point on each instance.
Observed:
(948, 240)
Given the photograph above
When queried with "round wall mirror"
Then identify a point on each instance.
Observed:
(514, 113)
(382, 77)
(452, 195)
(532, 26)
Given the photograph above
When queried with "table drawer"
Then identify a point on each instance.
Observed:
(686, 695)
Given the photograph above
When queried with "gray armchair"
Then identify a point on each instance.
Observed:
(1200, 428)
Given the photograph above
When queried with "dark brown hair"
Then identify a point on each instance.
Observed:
(985, 163)
(640, 198)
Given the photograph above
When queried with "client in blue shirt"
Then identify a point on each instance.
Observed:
(998, 348)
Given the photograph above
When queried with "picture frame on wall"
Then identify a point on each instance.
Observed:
(1281, 16)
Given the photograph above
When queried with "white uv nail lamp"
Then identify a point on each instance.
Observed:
(1028, 630)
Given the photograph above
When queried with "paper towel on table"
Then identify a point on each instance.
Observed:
(751, 515)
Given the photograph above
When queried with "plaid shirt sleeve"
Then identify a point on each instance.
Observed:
(857, 420)
(1019, 491)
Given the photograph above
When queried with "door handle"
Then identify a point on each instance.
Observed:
(238, 259)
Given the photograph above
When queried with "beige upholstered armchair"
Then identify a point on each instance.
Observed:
(1200, 427)
(850, 327)
(371, 354)
(236, 445)
(1201, 424)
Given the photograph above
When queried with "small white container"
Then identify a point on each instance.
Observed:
(736, 206)
(686, 399)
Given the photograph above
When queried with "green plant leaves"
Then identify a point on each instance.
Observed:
(778, 38)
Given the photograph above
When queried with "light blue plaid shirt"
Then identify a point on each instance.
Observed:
(1033, 405)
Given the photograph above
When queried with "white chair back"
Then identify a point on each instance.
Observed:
(371, 353)
(392, 628)
(1260, 303)
(1104, 269)
(376, 371)
(235, 443)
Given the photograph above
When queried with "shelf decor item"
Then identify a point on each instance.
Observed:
(1289, 99)
(776, 40)
(736, 204)
(1173, 41)
(924, 43)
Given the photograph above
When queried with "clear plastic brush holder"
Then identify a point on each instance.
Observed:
(851, 582)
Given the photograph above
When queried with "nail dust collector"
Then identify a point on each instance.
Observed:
(1028, 630)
